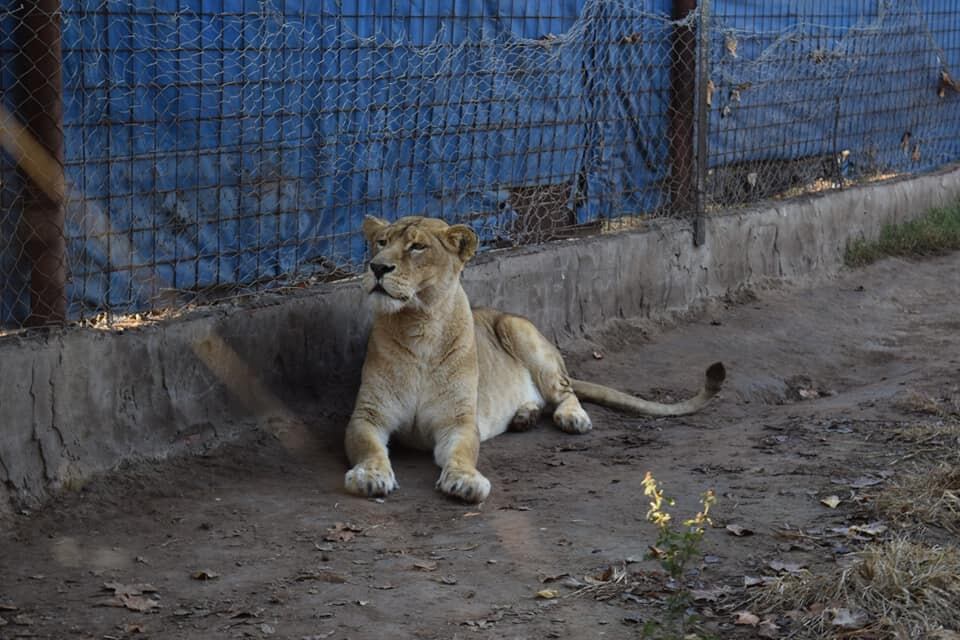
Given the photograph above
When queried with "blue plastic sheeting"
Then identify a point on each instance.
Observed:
(226, 143)
(828, 78)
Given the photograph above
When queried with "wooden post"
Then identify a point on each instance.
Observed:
(41, 107)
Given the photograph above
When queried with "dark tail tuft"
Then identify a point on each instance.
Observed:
(716, 374)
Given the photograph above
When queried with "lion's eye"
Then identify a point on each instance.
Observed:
(381, 242)
(416, 246)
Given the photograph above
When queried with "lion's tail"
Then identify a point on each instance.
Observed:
(599, 394)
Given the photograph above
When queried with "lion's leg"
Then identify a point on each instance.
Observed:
(521, 338)
(371, 473)
(456, 452)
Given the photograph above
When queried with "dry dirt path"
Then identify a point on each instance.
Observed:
(818, 378)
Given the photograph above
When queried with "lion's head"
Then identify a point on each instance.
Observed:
(415, 261)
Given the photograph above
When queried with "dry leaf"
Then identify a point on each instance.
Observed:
(872, 529)
(544, 578)
(597, 355)
(322, 576)
(746, 618)
(204, 574)
(342, 532)
(739, 531)
(548, 594)
(785, 567)
(846, 619)
(768, 629)
(451, 580)
(243, 614)
(601, 578)
(425, 566)
(139, 603)
(130, 596)
(730, 44)
(131, 602)
(130, 589)
(831, 501)
(709, 595)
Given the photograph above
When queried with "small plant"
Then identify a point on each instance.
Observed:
(936, 232)
(674, 549)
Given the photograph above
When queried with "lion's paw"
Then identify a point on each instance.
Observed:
(363, 480)
(526, 417)
(573, 420)
(469, 486)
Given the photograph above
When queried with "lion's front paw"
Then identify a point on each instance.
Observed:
(573, 420)
(370, 480)
(468, 485)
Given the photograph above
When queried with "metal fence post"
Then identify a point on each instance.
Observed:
(681, 109)
(703, 123)
(41, 106)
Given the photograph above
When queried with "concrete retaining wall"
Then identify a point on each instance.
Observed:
(77, 401)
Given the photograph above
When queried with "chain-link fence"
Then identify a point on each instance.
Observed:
(839, 93)
(162, 154)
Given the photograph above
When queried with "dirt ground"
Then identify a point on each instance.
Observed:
(258, 540)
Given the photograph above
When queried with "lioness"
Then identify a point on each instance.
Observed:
(441, 376)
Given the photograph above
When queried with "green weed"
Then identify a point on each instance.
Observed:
(675, 547)
(935, 233)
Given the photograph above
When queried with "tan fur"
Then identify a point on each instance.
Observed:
(441, 376)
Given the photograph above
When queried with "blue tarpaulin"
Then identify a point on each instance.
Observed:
(217, 144)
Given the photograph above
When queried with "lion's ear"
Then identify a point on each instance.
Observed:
(462, 240)
(372, 226)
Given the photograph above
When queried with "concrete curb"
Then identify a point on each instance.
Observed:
(77, 401)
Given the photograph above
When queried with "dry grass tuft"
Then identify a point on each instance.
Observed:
(948, 406)
(919, 402)
(944, 434)
(928, 495)
(897, 589)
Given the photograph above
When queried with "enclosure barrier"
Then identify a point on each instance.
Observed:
(164, 154)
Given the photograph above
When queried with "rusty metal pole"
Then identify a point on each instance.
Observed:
(703, 123)
(41, 107)
(680, 111)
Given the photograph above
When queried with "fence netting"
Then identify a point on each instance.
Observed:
(163, 154)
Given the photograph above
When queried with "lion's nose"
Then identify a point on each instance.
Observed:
(381, 270)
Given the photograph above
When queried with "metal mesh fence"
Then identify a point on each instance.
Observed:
(162, 154)
(843, 93)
